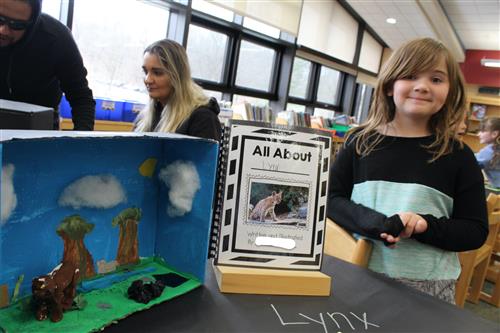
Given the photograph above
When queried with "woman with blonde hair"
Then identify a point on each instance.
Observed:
(177, 104)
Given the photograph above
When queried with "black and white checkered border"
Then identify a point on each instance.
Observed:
(226, 229)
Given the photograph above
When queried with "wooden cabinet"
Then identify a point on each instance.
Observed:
(472, 140)
(476, 104)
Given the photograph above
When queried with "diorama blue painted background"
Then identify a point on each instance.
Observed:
(188, 235)
(1, 159)
(29, 243)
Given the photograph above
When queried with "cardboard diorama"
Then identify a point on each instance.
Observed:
(96, 226)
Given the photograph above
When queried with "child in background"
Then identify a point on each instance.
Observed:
(489, 157)
(403, 180)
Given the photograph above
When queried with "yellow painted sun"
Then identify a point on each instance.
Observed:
(148, 167)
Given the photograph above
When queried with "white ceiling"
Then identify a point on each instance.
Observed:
(476, 22)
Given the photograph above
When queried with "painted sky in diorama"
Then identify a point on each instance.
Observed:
(97, 226)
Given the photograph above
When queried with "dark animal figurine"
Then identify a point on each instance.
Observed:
(144, 292)
(54, 293)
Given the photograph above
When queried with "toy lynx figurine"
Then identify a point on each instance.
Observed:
(266, 206)
(54, 293)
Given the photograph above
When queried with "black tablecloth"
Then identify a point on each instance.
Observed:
(360, 301)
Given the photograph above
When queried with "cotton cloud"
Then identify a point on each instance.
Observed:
(183, 182)
(96, 191)
(9, 197)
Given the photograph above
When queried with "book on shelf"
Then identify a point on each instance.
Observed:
(478, 111)
(292, 118)
(225, 114)
(317, 122)
(271, 200)
(247, 111)
(240, 111)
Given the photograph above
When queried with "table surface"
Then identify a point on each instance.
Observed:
(360, 301)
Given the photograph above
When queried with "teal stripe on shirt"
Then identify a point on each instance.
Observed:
(410, 259)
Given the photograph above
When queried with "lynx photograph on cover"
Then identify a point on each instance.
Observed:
(291, 203)
(274, 204)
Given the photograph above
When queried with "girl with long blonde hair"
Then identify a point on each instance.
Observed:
(404, 180)
(177, 104)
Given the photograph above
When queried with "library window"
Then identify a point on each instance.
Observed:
(299, 82)
(325, 113)
(212, 93)
(328, 86)
(362, 103)
(263, 28)
(52, 8)
(296, 107)
(206, 51)
(255, 66)
(112, 46)
(213, 10)
(240, 99)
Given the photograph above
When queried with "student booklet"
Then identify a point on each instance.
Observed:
(271, 209)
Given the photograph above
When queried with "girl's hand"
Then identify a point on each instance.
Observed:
(390, 239)
(420, 227)
(414, 224)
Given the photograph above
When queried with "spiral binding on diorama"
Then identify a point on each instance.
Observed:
(219, 194)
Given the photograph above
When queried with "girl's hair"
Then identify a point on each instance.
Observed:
(186, 95)
(414, 57)
(492, 125)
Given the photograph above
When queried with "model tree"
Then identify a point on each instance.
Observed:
(128, 245)
(73, 230)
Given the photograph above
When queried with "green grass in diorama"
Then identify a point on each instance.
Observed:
(103, 306)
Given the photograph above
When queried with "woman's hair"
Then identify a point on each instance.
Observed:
(414, 57)
(492, 125)
(185, 96)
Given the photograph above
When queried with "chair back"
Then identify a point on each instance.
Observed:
(475, 263)
(493, 205)
(341, 244)
(492, 295)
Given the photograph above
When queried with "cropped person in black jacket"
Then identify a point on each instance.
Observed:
(177, 104)
(39, 60)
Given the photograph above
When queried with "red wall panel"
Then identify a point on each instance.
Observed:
(474, 73)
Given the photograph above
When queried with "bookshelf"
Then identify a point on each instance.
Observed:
(245, 112)
(479, 107)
